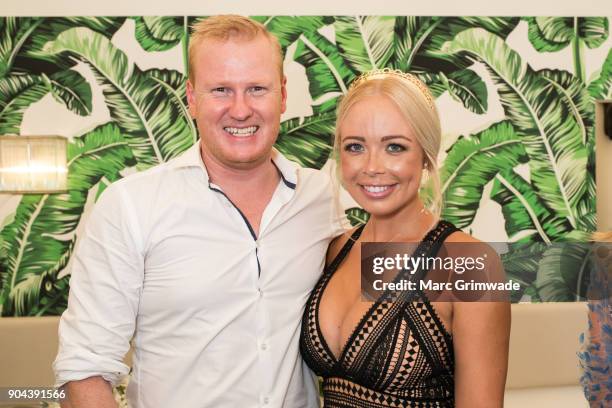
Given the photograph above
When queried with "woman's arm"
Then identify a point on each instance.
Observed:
(481, 332)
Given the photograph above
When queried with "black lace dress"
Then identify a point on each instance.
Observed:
(399, 355)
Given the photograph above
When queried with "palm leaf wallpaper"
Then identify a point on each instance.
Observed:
(516, 97)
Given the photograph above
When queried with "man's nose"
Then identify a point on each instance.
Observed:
(240, 108)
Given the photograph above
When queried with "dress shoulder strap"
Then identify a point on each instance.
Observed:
(346, 248)
(436, 237)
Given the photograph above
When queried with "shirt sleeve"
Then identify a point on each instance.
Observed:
(105, 286)
(338, 220)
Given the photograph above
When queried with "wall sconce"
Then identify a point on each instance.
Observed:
(33, 164)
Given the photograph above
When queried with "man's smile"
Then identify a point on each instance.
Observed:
(241, 132)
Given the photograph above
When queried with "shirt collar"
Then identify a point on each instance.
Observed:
(192, 158)
(286, 168)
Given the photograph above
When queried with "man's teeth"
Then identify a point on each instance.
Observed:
(376, 189)
(241, 131)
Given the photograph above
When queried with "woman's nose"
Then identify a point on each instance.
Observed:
(374, 164)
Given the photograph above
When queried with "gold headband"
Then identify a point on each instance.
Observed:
(385, 72)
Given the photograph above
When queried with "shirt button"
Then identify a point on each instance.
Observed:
(264, 346)
(260, 292)
(266, 400)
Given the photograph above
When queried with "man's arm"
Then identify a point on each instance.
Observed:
(92, 392)
(105, 286)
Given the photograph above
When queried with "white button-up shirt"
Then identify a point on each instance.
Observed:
(214, 310)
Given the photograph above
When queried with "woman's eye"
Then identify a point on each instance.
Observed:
(395, 148)
(353, 148)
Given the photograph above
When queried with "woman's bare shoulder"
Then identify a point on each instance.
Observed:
(460, 236)
(337, 243)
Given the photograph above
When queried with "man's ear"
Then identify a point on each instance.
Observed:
(284, 94)
(191, 99)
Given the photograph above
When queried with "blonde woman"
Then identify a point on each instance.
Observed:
(418, 353)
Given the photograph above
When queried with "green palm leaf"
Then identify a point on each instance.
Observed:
(71, 89)
(586, 208)
(31, 57)
(175, 85)
(143, 105)
(160, 33)
(547, 42)
(575, 98)
(525, 214)
(550, 34)
(307, 141)
(39, 241)
(14, 31)
(451, 26)
(521, 263)
(563, 272)
(409, 35)
(289, 28)
(406, 43)
(365, 41)
(417, 41)
(17, 93)
(472, 162)
(541, 114)
(328, 72)
(357, 216)
(466, 87)
(579, 104)
(601, 87)
(21, 40)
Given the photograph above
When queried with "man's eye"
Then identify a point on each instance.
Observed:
(257, 90)
(353, 148)
(221, 90)
(395, 148)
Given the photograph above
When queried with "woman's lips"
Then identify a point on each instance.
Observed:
(377, 191)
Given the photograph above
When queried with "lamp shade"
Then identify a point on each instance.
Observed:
(33, 164)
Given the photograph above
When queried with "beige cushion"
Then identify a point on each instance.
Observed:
(28, 346)
(547, 397)
(544, 341)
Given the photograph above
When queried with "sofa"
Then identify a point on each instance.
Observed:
(543, 368)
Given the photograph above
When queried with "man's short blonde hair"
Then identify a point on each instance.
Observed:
(226, 27)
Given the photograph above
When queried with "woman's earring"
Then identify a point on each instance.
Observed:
(424, 175)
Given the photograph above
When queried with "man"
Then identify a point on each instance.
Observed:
(206, 260)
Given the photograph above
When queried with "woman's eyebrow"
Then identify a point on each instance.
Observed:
(359, 138)
(390, 137)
